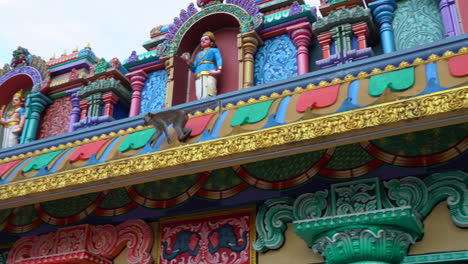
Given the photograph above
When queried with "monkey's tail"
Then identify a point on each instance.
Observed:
(207, 105)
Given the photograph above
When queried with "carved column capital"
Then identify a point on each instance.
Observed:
(382, 10)
(35, 103)
(137, 81)
(301, 35)
(109, 100)
(362, 33)
(325, 41)
(248, 43)
(84, 109)
(169, 67)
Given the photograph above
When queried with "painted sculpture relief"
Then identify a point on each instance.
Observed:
(13, 120)
(206, 66)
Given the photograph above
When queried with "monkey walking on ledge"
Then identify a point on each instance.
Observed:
(178, 118)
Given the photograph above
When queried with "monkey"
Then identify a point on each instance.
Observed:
(177, 117)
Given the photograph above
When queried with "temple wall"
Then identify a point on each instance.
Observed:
(294, 251)
(463, 11)
(440, 234)
(275, 60)
(417, 22)
(153, 94)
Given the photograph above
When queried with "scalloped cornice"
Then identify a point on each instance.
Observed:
(298, 90)
(171, 162)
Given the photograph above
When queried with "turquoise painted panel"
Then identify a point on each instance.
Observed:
(276, 60)
(153, 95)
(397, 81)
(251, 114)
(42, 160)
(417, 22)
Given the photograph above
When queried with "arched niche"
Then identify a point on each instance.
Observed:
(226, 29)
(20, 78)
(23, 78)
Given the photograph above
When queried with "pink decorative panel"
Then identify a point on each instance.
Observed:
(210, 239)
(56, 118)
(86, 244)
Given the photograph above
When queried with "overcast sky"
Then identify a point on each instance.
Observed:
(112, 27)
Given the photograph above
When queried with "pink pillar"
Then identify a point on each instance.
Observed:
(362, 32)
(84, 109)
(301, 35)
(109, 100)
(137, 80)
(325, 41)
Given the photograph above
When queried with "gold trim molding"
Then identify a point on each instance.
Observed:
(382, 116)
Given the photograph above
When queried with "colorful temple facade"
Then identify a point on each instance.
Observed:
(342, 138)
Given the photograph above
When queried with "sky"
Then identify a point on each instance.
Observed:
(113, 28)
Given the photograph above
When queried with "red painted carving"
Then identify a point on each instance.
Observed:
(5, 167)
(362, 33)
(457, 65)
(86, 244)
(198, 124)
(86, 151)
(213, 239)
(318, 98)
(109, 100)
(325, 41)
(56, 118)
(73, 75)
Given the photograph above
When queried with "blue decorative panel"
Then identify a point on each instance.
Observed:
(276, 60)
(154, 93)
(417, 22)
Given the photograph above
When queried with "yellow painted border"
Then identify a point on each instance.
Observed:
(374, 116)
(349, 78)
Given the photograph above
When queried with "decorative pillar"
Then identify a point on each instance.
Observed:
(449, 18)
(169, 67)
(109, 100)
(301, 35)
(137, 79)
(76, 111)
(383, 14)
(325, 41)
(84, 109)
(248, 46)
(362, 32)
(36, 103)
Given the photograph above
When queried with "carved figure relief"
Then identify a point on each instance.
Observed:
(206, 65)
(13, 120)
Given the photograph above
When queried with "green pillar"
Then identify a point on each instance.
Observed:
(35, 104)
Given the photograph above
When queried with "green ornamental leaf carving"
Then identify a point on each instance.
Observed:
(272, 219)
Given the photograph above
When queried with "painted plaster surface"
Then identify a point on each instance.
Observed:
(276, 60)
(154, 93)
(417, 22)
(440, 234)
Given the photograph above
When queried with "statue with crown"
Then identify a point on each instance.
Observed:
(13, 120)
(206, 65)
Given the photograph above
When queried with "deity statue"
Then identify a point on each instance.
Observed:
(13, 122)
(206, 66)
(20, 57)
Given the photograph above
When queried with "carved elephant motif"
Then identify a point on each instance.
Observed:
(182, 245)
(226, 239)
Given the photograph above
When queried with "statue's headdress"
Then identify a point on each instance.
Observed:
(210, 35)
(19, 94)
